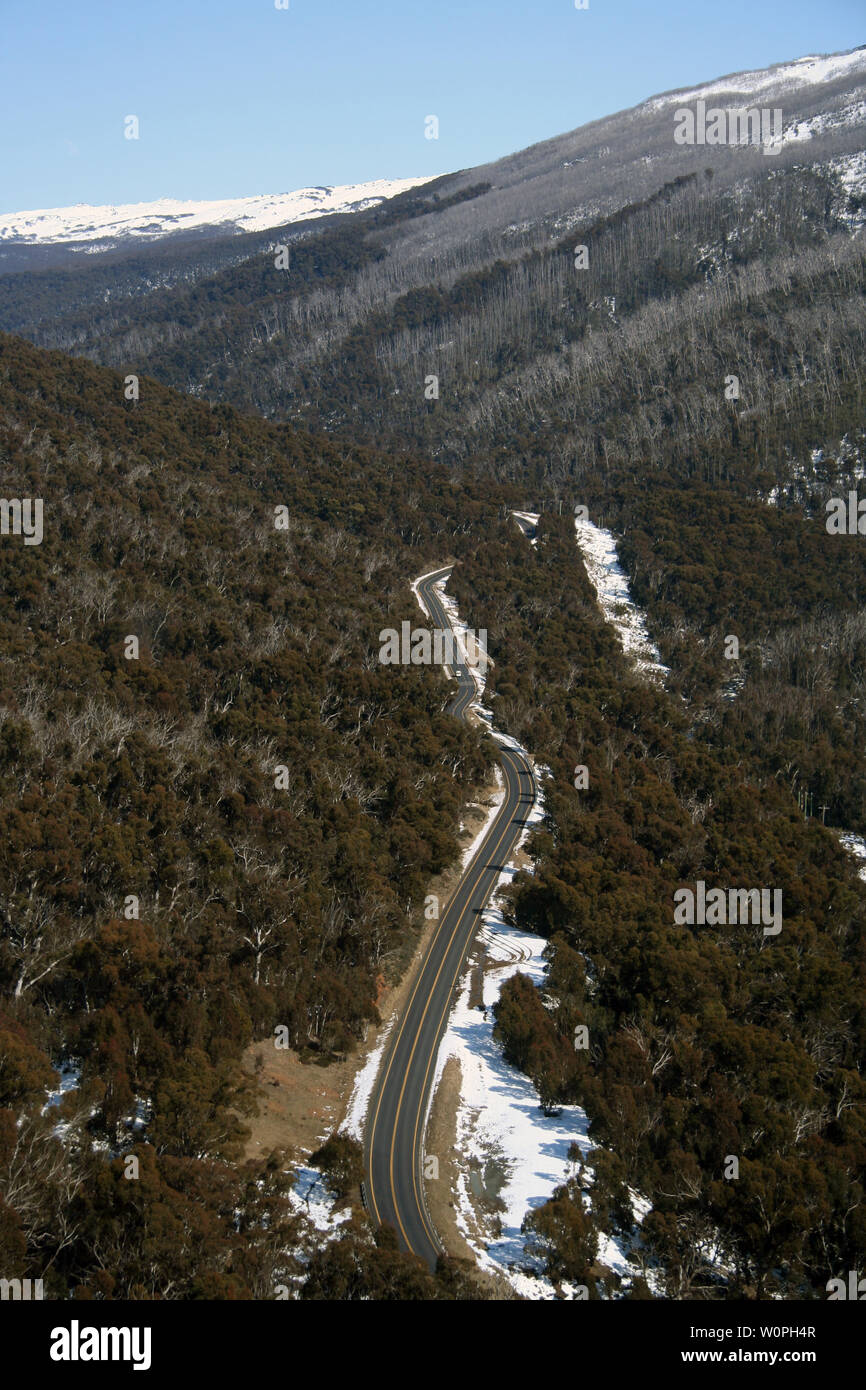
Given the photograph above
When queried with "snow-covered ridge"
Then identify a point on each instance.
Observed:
(765, 82)
(161, 218)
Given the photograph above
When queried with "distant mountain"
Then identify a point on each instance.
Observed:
(471, 279)
(88, 229)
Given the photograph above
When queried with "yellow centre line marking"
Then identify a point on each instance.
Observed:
(434, 604)
(482, 868)
(408, 1009)
(434, 576)
(419, 1197)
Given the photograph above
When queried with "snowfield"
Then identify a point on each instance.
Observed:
(161, 218)
(851, 115)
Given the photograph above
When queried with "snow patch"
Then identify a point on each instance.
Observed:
(70, 1080)
(501, 1129)
(851, 115)
(496, 801)
(311, 1199)
(856, 845)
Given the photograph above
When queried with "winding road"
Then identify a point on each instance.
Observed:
(394, 1137)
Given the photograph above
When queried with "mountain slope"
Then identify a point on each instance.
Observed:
(162, 306)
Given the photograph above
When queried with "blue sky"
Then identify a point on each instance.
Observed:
(235, 97)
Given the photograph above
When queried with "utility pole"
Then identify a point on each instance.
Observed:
(824, 810)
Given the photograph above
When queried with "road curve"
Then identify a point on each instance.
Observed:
(393, 1147)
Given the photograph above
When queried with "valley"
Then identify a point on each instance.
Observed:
(432, 713)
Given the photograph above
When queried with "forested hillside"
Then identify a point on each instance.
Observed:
(705, 1042)
(709, 348)
(168, 894)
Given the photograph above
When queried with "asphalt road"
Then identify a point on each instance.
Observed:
(393, 1150)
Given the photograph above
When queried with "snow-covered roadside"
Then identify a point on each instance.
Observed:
(477, 668)
(509, 1149)
(608, 578)
(417, 592)
(353, 1124)
(502, 1135)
